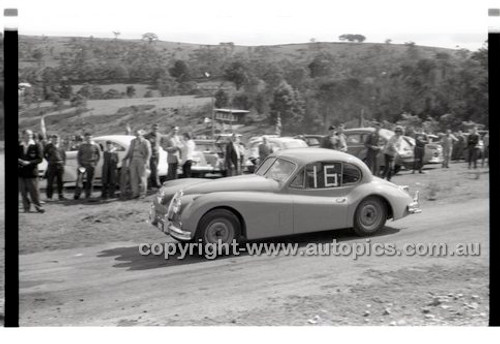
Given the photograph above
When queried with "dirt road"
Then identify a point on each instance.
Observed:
(112, 284)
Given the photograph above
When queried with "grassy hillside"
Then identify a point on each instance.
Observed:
(53, 48)
(111, 116)
(310, 85)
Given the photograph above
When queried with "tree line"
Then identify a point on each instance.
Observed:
(308, 92)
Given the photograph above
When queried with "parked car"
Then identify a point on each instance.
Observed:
(356, 137)
(293, 191)
(433, 153)
(213, 153)
(311, 140)
(221, 141)
(277, 143)
(121, 144)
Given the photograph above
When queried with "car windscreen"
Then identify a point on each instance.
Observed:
(280, 170)
(265, 166)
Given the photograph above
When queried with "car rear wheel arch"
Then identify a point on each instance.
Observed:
(242, 226)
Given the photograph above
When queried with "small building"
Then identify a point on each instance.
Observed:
(230, 116)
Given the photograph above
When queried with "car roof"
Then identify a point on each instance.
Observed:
(123, 139)
(383, 132)
(204, 141)
(309, 155)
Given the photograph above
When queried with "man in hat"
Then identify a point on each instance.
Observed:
(154, 138)
(109, 169)
(329, 141)
(373, 147)
(29, 156)
(87, 157)
(138, 155)
(56, 158)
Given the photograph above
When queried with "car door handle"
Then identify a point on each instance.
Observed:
(341, 200)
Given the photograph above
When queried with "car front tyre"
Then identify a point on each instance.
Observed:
(219, 225)
(370, 216)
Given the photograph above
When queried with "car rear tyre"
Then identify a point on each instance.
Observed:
(370, 216)
(219, 225)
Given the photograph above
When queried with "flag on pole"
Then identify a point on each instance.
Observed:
(42, 126)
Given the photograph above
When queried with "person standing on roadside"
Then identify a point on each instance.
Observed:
(391, 150)
(233, 156)
(109, 170)
(28, 157)
(173, 149)
(139, 154)
(330, 141)
(459, 146)
(486, 149)
(373, 147)
(56, 158)
(87, 158)
(419, 150)
(187, 149)
(264, 149)
(154, 138)
(341, 139)
(473, 147)
(447, 143)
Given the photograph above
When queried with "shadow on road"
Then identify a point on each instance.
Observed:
(129, 257)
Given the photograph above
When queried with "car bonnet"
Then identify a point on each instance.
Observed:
(250, 182)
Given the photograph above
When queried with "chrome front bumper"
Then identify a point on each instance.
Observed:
(167, 227)
(414, 207)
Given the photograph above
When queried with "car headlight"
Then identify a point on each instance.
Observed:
(175, 204)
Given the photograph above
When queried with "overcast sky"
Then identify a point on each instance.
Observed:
(262, 22)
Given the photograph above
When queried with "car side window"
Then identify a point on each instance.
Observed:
(298, 181)
(323, 175)
(354, 139)
(350, 174)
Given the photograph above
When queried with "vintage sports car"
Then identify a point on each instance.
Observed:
(293, 191)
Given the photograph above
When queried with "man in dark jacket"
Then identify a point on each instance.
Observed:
(29, 156)
(56, 158)
(109, 171)
(154, 137)
(87, 157)
(330, 141)
(234, 157)
(373, 147)
(473, 147)
(419, 150)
